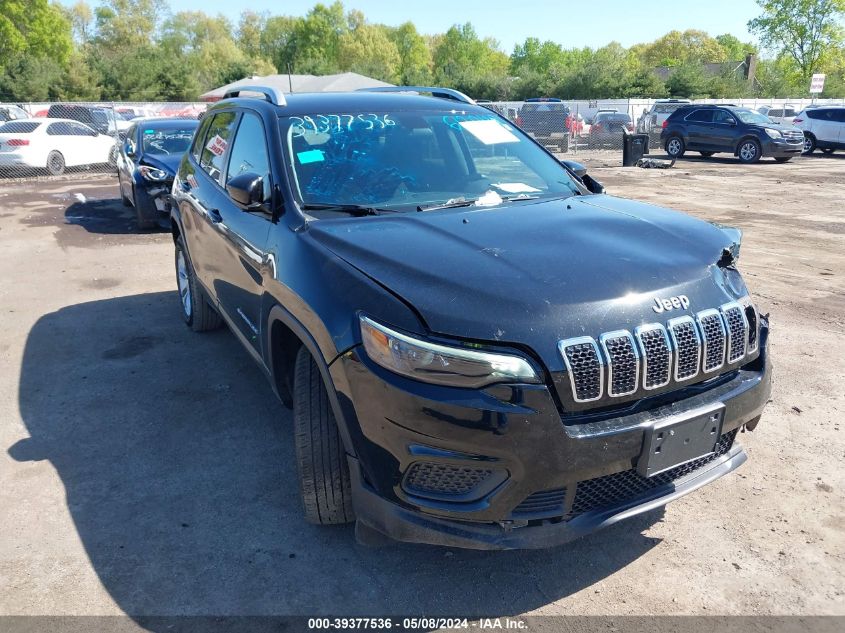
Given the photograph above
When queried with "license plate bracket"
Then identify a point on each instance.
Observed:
(679, 439)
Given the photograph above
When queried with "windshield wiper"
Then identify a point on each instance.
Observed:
(351, 209)
(462, 202)
(449, 204)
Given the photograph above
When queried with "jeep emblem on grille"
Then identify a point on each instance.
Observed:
(672, 303)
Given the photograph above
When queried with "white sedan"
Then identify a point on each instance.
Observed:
(53, 144)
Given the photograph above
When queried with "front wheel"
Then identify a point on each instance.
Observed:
(196, 311)
(675, 147)
(749, 151)
(324, 481)
(809, 143)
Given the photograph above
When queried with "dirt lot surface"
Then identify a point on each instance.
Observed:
(148, 470)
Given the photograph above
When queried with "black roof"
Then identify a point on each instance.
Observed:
(334, 102)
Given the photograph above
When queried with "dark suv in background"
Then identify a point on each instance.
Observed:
(546, 119)
(713, 129)
(480, 348)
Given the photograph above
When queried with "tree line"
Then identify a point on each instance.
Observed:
(140, 50)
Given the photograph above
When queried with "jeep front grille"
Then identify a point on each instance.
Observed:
(713, 332)
(585, 366)
(623, 362)
(687, 344)
(654, 346)
(655, 356)
(737, 328)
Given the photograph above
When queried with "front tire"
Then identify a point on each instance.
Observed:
(749, 151)
(809, 143)
(55, 163)
(324, 481)
(675, 147)
(196, 311)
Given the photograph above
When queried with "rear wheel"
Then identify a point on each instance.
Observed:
(675, 147)
(707, 154)
(749, 151)
(324, 481)
(55, 163)
(196, 311)
(809, 143)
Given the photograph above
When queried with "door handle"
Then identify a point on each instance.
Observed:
(215, 216)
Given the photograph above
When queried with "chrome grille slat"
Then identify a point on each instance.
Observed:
(713, 333)
(656, 354)
(585, 366)
(687, 343)
(736, 329)
(623, 363)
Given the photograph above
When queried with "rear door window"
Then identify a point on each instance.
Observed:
(216, 144)
(700, 116)
(59, 129)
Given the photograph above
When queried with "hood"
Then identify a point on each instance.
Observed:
(165, 162)
(535, 273)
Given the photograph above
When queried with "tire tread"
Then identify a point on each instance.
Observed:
(324, 481)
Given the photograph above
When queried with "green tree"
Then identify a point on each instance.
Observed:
(801, 29)
(35, 29)
(677, 48)
(735, 50)
(415, 61)
(250, 28)
(462, 59)
(369, 50)
(689, 81)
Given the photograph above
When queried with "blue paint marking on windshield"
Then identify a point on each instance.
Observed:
(310, 156)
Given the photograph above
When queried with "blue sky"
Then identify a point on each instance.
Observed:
(592, 23)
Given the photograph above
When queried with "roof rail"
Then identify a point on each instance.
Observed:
(273, 95)
(442, 93)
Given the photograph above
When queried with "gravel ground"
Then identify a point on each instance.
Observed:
(148, 470)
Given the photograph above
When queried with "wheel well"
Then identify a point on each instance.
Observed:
(284, 345)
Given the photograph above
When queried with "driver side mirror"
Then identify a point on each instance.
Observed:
(129, 149)
(577, 168)
(247, 190)
(592, 185)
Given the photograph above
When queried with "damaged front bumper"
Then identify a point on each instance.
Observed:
(549, 481)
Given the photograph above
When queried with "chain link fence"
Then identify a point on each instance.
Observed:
(54, 139)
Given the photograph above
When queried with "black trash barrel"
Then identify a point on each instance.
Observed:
(634, 147)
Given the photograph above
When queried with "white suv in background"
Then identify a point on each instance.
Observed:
(824, 127)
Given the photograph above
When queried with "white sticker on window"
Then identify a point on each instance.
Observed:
(515, 187)
(489, 131)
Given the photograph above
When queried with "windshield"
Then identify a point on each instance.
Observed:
(749, 116)
(173, 141)
(405, 160)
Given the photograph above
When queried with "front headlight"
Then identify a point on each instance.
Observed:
(151, 173)
(773, 133)
(441, 364)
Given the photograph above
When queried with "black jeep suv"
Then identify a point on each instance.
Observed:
(480, 348)
(711, 129)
